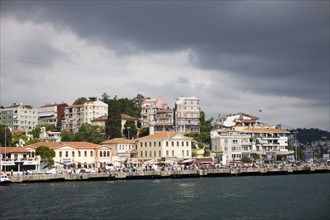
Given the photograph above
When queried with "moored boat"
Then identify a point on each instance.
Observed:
(4, 180)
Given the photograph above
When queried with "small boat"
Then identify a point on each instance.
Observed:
(4, 180)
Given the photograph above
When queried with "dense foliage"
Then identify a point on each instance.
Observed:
(5, 136)
(307, 136)
(46, 154)
(87, 132)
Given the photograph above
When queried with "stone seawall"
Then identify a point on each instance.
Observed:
(169, 174)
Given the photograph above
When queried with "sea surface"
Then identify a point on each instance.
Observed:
(304, 196)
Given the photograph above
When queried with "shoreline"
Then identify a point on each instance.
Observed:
(168, 174)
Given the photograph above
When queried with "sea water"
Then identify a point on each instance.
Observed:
(304, 196)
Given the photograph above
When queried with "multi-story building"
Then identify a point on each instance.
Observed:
(83, 153)
(94, 109)
(164, 145)
(157, 113)
(73, 118)
(122, 150)
(187, 114)
(148, 111)
(76, 115)
(19, 117)
(235, 139)
(51, 114)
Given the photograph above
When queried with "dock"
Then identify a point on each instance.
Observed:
(168, 174)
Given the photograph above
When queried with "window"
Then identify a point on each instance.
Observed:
(66, 154)
(172, 143)
(141, 144)
(155, 144)
(182, 153)
(166, 152)
(154, 153)
(187, 143)
(177, 143)
(60, 154)
(172, 152)
(91, 153)
(108, 153)
(160, 153)
(104, 153)
(146, 144)
(141, 153)
(72, 153)
(101, 154)
(159, 144)
(187, 153)
(166, 143)
(79, 154)
(85, 153)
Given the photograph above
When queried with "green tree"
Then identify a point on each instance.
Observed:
(246, 159)
(130, 128)
(90, 133)
(46, 154)
(67, 136)
(80, 101)
(5, 136)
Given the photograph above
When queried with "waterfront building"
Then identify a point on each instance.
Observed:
(76, 115)
(52, 114)
(187, 114)
(78, 153)
(164, 145)
(241, 135)
(19, 117)
(18, 159)
(122, 150)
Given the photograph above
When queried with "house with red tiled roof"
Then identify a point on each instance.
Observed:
(122, 149)
(18, 159)
(164, 145)
(86, 153)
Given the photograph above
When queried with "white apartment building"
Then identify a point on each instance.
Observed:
(73, 118)
(164, 145)
(93, 110)
(187, 114)
(51, 114)
(19, 117)
(148, 111)
(236, 142)
(76, 115)
(156, 112)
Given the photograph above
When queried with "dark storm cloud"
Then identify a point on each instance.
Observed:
(269, 47)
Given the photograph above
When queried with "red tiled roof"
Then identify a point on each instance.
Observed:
(163, 134)
(101, 118)
(52, 145)
(118, 141)
(12, 150)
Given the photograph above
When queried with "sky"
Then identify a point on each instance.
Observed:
(235, 56)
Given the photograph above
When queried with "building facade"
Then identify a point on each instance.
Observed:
(268, 142)
(157, 113)
(164, 145)
(52, 114)
(19, 117)
(187, 114)
(122, 150)
(78, 153)
(76, 115)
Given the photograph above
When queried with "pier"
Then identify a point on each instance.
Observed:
(169, 174)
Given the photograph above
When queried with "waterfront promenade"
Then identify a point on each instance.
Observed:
(170, 174)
